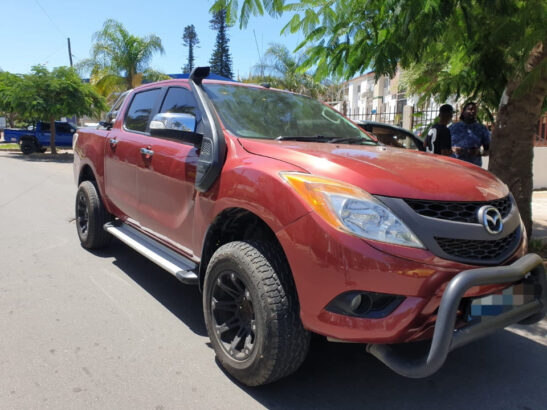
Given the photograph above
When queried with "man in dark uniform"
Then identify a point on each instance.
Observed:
(468, 136)
(438, 139)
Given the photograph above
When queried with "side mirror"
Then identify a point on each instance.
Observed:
(179, 126)
(111, 116)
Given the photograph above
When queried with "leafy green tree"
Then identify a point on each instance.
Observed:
(47, 95)
(190, 40)
(494, 51)
(8, 86)
(221, 60)
(119, 60)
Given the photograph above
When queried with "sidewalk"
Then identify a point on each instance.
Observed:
(539, 215)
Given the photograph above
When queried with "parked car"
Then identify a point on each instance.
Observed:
(292, 220)
(393, 135)
(37, 138)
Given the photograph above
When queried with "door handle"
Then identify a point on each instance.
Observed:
(113, 142)
(147, 152)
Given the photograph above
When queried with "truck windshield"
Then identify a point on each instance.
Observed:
(254, 112)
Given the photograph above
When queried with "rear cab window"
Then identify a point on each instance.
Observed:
(140, 110)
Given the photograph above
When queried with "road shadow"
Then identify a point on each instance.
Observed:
(64, 157)
(184, 301)
(503, 371)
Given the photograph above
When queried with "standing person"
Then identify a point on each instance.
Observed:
(468, 136)
(438, 140)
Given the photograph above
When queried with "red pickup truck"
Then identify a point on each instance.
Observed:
(293, 220)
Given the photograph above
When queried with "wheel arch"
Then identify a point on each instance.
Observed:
(235, 224)
(86, 174)
(30, 138)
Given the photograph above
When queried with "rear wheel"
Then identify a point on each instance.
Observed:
(91, 216)
(27, 147)
(252, 313)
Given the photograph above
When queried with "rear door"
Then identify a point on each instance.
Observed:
(63, 134)
(43, 133)
(166, 178)
(122, 155)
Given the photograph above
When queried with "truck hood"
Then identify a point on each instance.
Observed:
(386, 171)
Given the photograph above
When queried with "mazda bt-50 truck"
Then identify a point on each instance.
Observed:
(293, 220)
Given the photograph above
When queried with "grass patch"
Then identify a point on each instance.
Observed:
(9, 146)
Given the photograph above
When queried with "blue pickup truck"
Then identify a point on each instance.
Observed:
(37, 138)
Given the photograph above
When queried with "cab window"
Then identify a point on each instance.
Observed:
(180, 100)
(140, 110)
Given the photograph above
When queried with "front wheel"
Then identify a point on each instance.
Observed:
(91, 216)
(252, 313)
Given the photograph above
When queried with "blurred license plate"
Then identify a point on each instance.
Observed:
(493, 305)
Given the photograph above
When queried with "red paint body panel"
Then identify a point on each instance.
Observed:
(388, 171)
(332, 262)
(157, 195)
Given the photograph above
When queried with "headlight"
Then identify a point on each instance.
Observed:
(351, 209)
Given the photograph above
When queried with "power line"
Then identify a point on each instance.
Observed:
(50, 19)
(46, 60)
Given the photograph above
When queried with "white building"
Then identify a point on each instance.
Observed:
(382, 100)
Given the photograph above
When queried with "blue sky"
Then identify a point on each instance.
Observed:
(36, 31)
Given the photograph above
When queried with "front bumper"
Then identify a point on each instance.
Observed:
(326, 263)
(446, 338)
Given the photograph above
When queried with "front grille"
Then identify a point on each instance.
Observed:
(479, 250)
(457, 211)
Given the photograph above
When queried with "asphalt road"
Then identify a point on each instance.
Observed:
(110, 330)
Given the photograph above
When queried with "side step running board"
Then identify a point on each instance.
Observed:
(179, 266)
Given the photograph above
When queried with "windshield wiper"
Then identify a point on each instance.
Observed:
(352, 140)
(322, 138)
(315, 138)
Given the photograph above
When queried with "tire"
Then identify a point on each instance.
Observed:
(252, 313)
(91, 216)
(27, 147)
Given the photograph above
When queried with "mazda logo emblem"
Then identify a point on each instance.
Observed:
(490, 218)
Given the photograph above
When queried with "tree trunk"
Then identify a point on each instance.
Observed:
(512, 147)
(11, 119)
(52, 137)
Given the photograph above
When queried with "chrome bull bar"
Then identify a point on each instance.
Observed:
(446, 338)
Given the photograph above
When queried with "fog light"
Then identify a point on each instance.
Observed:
(356, 302)
(361, 304)
(364, 304)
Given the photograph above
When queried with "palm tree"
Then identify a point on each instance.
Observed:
(120, 60)
(282, 66)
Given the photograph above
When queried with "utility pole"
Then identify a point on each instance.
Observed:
(69, 51)
(74, 118)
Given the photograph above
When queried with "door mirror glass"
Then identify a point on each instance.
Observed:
(179, 126)
(173, 121)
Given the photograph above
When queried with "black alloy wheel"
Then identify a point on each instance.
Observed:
(233, 316)
(252, 313)
(27, 147)
(90, 216)
(82, 214)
